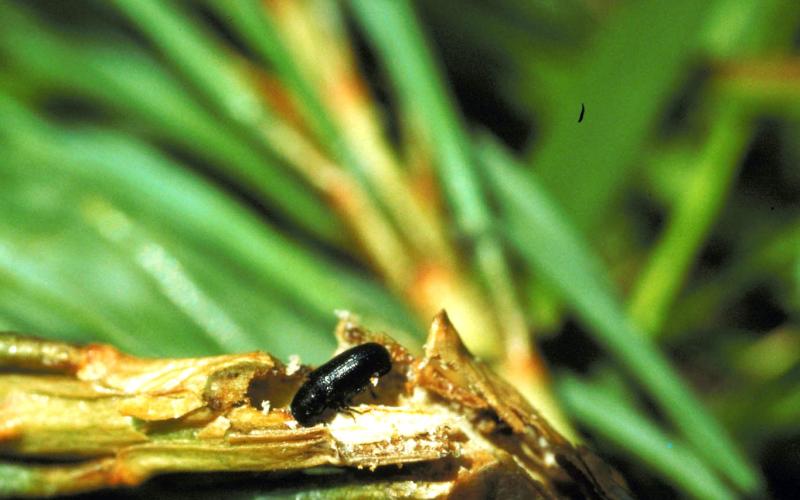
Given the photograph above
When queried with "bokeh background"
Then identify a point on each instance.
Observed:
(181, 178)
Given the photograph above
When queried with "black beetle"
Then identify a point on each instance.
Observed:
(333, 384)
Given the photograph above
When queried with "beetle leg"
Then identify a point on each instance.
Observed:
(372, 392)
(350, 412)
(359, 412)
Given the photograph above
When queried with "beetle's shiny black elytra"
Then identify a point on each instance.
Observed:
(333, 384)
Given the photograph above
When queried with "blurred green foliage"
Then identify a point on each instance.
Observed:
(146, 201)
